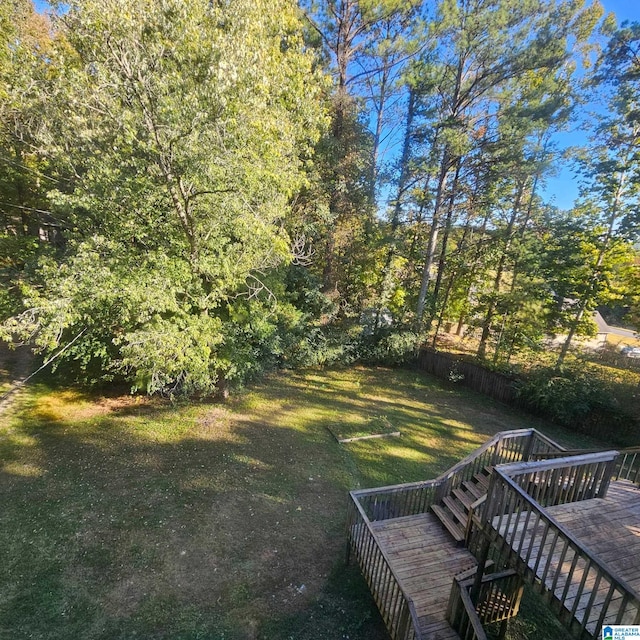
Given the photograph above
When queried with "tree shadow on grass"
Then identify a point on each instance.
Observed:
(112, 529)
(121, 519)
(344, 609)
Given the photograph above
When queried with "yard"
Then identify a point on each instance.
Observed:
(126, 517)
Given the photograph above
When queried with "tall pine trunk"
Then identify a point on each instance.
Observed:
(502, 263)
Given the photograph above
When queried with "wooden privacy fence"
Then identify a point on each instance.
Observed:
(503, 388)
(474, 376)
(579, 587)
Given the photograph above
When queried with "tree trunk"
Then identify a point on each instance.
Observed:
(450, 283)
(445, 167)
(397, 207)
(502, 263)
(433, 237)
(443, 250)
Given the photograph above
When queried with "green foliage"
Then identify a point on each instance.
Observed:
(186, 200)
(325, 346)
(189, 128)
(574, 397)
(389, 347)
(26, 226)
(341, 345)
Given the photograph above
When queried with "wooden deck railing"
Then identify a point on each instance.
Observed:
(627, 465)
(497, 600)
(413, 498)
(562, 480)
(533, 473)
(396, 501)
(461, 612)
(504, 447)
(384, 503)
(396, 607)
(499, 596)
(583, 592)
(541, 445)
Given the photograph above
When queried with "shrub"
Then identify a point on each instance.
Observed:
(576, 398)
(388, 347)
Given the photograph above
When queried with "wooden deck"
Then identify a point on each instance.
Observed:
(609, 528)
(425, 558)
(546, 520)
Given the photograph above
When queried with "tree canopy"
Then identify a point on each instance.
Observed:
(182, 130)
(192, 190)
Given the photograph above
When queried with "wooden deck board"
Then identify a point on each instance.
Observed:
(439, 630)
(610, 527)
(425, 558)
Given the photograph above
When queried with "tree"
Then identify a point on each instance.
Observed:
(611, 169)
(486, 45)
(185, 127)
(366, 44)
(581, 263)
(25, 45)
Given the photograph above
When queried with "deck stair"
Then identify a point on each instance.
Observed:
(453, 509)
(523, 509)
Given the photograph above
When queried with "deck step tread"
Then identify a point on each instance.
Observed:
(473, 489)
(466, 498)
(457, 509)
(453, 528)
(482, 480)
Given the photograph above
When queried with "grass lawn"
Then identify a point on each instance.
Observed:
(125, 517)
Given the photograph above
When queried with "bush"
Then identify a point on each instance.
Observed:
(390, 348)
(576, 398)
(344, 345)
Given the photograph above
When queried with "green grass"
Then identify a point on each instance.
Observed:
(124, 517)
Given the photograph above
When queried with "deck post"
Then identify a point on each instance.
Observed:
(496, 453)
(442, 490)
(606, 480)
(526, 454)
(503, 629)
(350, 523)
(482, 558)
(452, 605)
